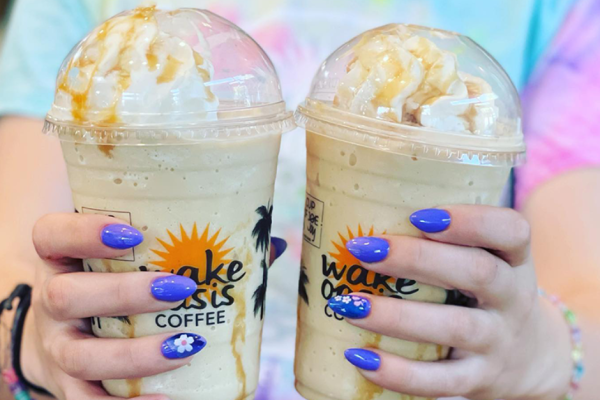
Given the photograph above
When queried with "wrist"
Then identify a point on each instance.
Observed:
(31, 362)
(555, 362)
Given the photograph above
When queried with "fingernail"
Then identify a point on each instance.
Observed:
(368, 249)
(431, 220)
(279, 245)
(182, 345)
(350, 306)
(119, 236)
(173, 288)
(363, 359)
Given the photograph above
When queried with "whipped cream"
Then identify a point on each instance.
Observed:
(402, 77)
(130, 70)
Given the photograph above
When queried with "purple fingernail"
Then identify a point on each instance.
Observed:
(431, 220)
(173, 288)
(120, 236)
(350, 306)
(182, 345)
(369, 249)
(279, 245)
(363, 359)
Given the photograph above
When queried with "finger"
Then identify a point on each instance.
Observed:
(88, 294)
(469, 269)
(60, 236)
(79, 390)
(415, 378)
(278, 247)
(459, 327)
(88, 358)
(501, 230)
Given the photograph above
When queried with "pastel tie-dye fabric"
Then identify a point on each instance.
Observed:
(562, 105)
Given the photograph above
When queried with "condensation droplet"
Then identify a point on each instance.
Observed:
(342, 153)
(144, 228)
(356, 187)
(352, 160)
(118, 181)
(81, 159)
(135, 183)
(471, 183)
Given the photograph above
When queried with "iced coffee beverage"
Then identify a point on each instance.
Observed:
(398, 119)
(171, 121)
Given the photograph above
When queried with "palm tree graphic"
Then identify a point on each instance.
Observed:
(303, 282)
(262, 234)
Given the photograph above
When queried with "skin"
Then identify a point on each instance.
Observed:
(511, 319)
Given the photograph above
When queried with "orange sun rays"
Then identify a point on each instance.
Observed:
(345, 259)
(190, 250)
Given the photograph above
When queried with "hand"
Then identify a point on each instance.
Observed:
(511, 346)
(59, 351)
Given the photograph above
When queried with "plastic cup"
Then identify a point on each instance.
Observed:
(380, 147)
(171, 122)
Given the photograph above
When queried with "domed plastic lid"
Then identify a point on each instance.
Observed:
(417, 91)
(148, 76)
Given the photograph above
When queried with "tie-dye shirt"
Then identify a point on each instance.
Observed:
(561, 102)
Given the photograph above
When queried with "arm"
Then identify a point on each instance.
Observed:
(32, 174)
(565, 221)
(34, 183)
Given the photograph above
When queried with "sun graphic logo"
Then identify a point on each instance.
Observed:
(348, 273)
(205, 259)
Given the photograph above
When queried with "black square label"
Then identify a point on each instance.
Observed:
(314, 210)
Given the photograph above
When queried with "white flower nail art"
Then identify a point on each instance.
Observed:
(346, 300)
(184, 343)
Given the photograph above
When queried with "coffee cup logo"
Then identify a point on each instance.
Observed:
(344, 274)
(205, 259)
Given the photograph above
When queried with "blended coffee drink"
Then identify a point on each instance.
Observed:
(171, 121)
(399, 119)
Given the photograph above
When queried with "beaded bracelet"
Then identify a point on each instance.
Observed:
(576, 342)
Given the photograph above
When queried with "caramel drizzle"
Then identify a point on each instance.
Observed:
(80, 99)
(134, 386)
(204, 74)
(439, 350)
(169, 72)
(366, 390)
(239, 336)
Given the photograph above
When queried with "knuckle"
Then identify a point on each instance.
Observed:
(465, 327)
(484, 270)
(133, 353)
(467, 384)
(72, 360)
(413, 252)
(57, 297)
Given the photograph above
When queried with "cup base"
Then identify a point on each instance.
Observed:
(310, 394)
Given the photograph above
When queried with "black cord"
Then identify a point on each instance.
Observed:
(23, 292)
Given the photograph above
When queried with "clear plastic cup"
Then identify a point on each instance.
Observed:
(171, 121)
(398, 119)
